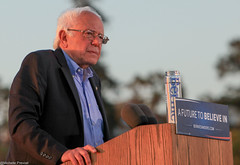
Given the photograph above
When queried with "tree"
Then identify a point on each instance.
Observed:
(229, 64)
(4, 135)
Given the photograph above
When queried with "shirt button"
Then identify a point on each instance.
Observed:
(79, 70)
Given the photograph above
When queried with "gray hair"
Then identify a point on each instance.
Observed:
(66, 20)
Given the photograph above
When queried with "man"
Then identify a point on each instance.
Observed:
(56, 112)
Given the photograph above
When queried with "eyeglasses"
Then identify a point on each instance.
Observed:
(91, 35)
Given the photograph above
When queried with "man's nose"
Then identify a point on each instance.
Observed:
(96, 41)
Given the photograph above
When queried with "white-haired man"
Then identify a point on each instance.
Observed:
(56, 113)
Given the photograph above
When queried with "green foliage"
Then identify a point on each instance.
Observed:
(3, 149)
(227, 65)
(4, 135)
(230, 63)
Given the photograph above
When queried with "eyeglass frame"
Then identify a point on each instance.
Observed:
(103, 38)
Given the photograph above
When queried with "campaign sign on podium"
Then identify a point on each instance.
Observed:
(203, 119)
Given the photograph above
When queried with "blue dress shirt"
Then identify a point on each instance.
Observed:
(92, 118)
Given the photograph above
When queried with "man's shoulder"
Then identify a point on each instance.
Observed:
(43, 55)
(41, 58)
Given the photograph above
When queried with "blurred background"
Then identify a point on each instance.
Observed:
(200, 39)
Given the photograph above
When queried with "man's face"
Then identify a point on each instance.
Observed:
(82, 50)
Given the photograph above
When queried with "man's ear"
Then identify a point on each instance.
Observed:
(63, 39)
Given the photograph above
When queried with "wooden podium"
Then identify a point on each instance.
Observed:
(159, 144)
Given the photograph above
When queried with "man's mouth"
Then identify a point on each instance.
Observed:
(94, 52)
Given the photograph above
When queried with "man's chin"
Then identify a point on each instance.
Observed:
(84, 66)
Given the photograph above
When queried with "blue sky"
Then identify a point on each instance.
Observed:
(145, 36)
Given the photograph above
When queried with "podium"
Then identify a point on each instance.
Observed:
(159, 144)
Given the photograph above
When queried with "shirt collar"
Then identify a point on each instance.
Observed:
(75, 69)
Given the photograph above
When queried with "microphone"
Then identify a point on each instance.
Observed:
(148, 113)
(133, 115)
